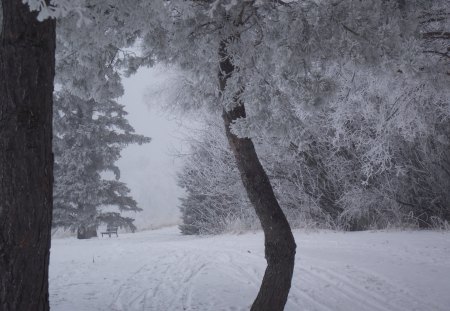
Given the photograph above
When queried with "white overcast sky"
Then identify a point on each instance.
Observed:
(150, 170)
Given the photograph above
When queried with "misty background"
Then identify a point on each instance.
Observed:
(150, 170)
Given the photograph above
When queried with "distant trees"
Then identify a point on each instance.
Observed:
(88, 139)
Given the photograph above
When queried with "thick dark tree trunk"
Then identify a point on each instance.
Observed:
(279, 241)
(27, 53)
(86, 232)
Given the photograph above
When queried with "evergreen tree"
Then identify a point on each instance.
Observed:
(89, 137)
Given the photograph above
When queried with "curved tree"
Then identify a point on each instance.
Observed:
(279, 242)
(218, 39)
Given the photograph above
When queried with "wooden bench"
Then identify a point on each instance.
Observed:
(110, 230)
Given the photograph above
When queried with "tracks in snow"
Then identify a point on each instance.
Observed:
(192, 279)
(202, 279)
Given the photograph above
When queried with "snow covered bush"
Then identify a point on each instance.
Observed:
(216, 201)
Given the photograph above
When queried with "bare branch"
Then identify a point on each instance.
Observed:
(436, 35)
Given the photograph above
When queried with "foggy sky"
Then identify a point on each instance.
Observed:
(150, 170)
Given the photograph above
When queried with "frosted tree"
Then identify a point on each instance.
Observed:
(287, 61)
(88, 139)
(369, 78)
(390, 112)
(89, 71)
(208, 38)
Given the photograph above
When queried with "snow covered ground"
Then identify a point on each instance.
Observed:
(161, 270)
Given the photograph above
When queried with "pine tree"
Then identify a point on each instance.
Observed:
(89, 137)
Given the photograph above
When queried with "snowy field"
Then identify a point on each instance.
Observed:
(161, 270)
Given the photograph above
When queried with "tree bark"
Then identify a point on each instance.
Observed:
(279, 242)
(27, 67)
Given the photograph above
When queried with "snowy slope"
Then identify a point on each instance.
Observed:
(161, 270)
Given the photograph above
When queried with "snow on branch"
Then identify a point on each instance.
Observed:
(58, 9)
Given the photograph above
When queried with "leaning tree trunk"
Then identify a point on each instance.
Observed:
(27, 67)
(279, 241)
